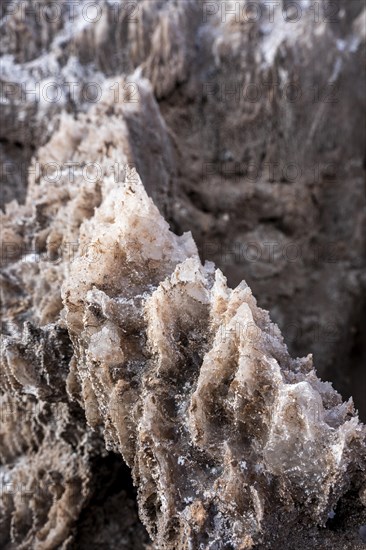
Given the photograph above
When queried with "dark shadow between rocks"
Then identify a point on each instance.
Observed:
(110, 520)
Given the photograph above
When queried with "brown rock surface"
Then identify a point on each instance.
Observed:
(249, 133)
(189, 381)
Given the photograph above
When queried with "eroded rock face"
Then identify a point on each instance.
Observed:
(194, 386)
(146, 356)
(51, 480)
(264, 103)
(186, 379)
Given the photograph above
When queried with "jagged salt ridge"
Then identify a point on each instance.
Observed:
(227, 436)
(193, 385)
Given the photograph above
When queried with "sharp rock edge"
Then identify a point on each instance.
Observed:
(193, 385)
(227, 436)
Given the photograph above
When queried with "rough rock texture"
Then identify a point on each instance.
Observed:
(250, 134)
(226, 435)
(258, 121)
(194, 386)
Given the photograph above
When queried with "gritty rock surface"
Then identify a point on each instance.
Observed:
(146, 357)
(186, 379)
(252, 137)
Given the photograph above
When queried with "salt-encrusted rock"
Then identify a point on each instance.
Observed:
(193, 385)
(188, 380)
(262, 100)
(225, 433)
(39, 240)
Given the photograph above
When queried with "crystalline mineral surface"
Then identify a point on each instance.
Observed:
(118, 346)
(231, 442)
(193, 385)
(248, 131)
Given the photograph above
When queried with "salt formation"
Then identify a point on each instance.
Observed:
(188, 380)
(51, 466)
(146, 357)
(193, 385)
(263, 99)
